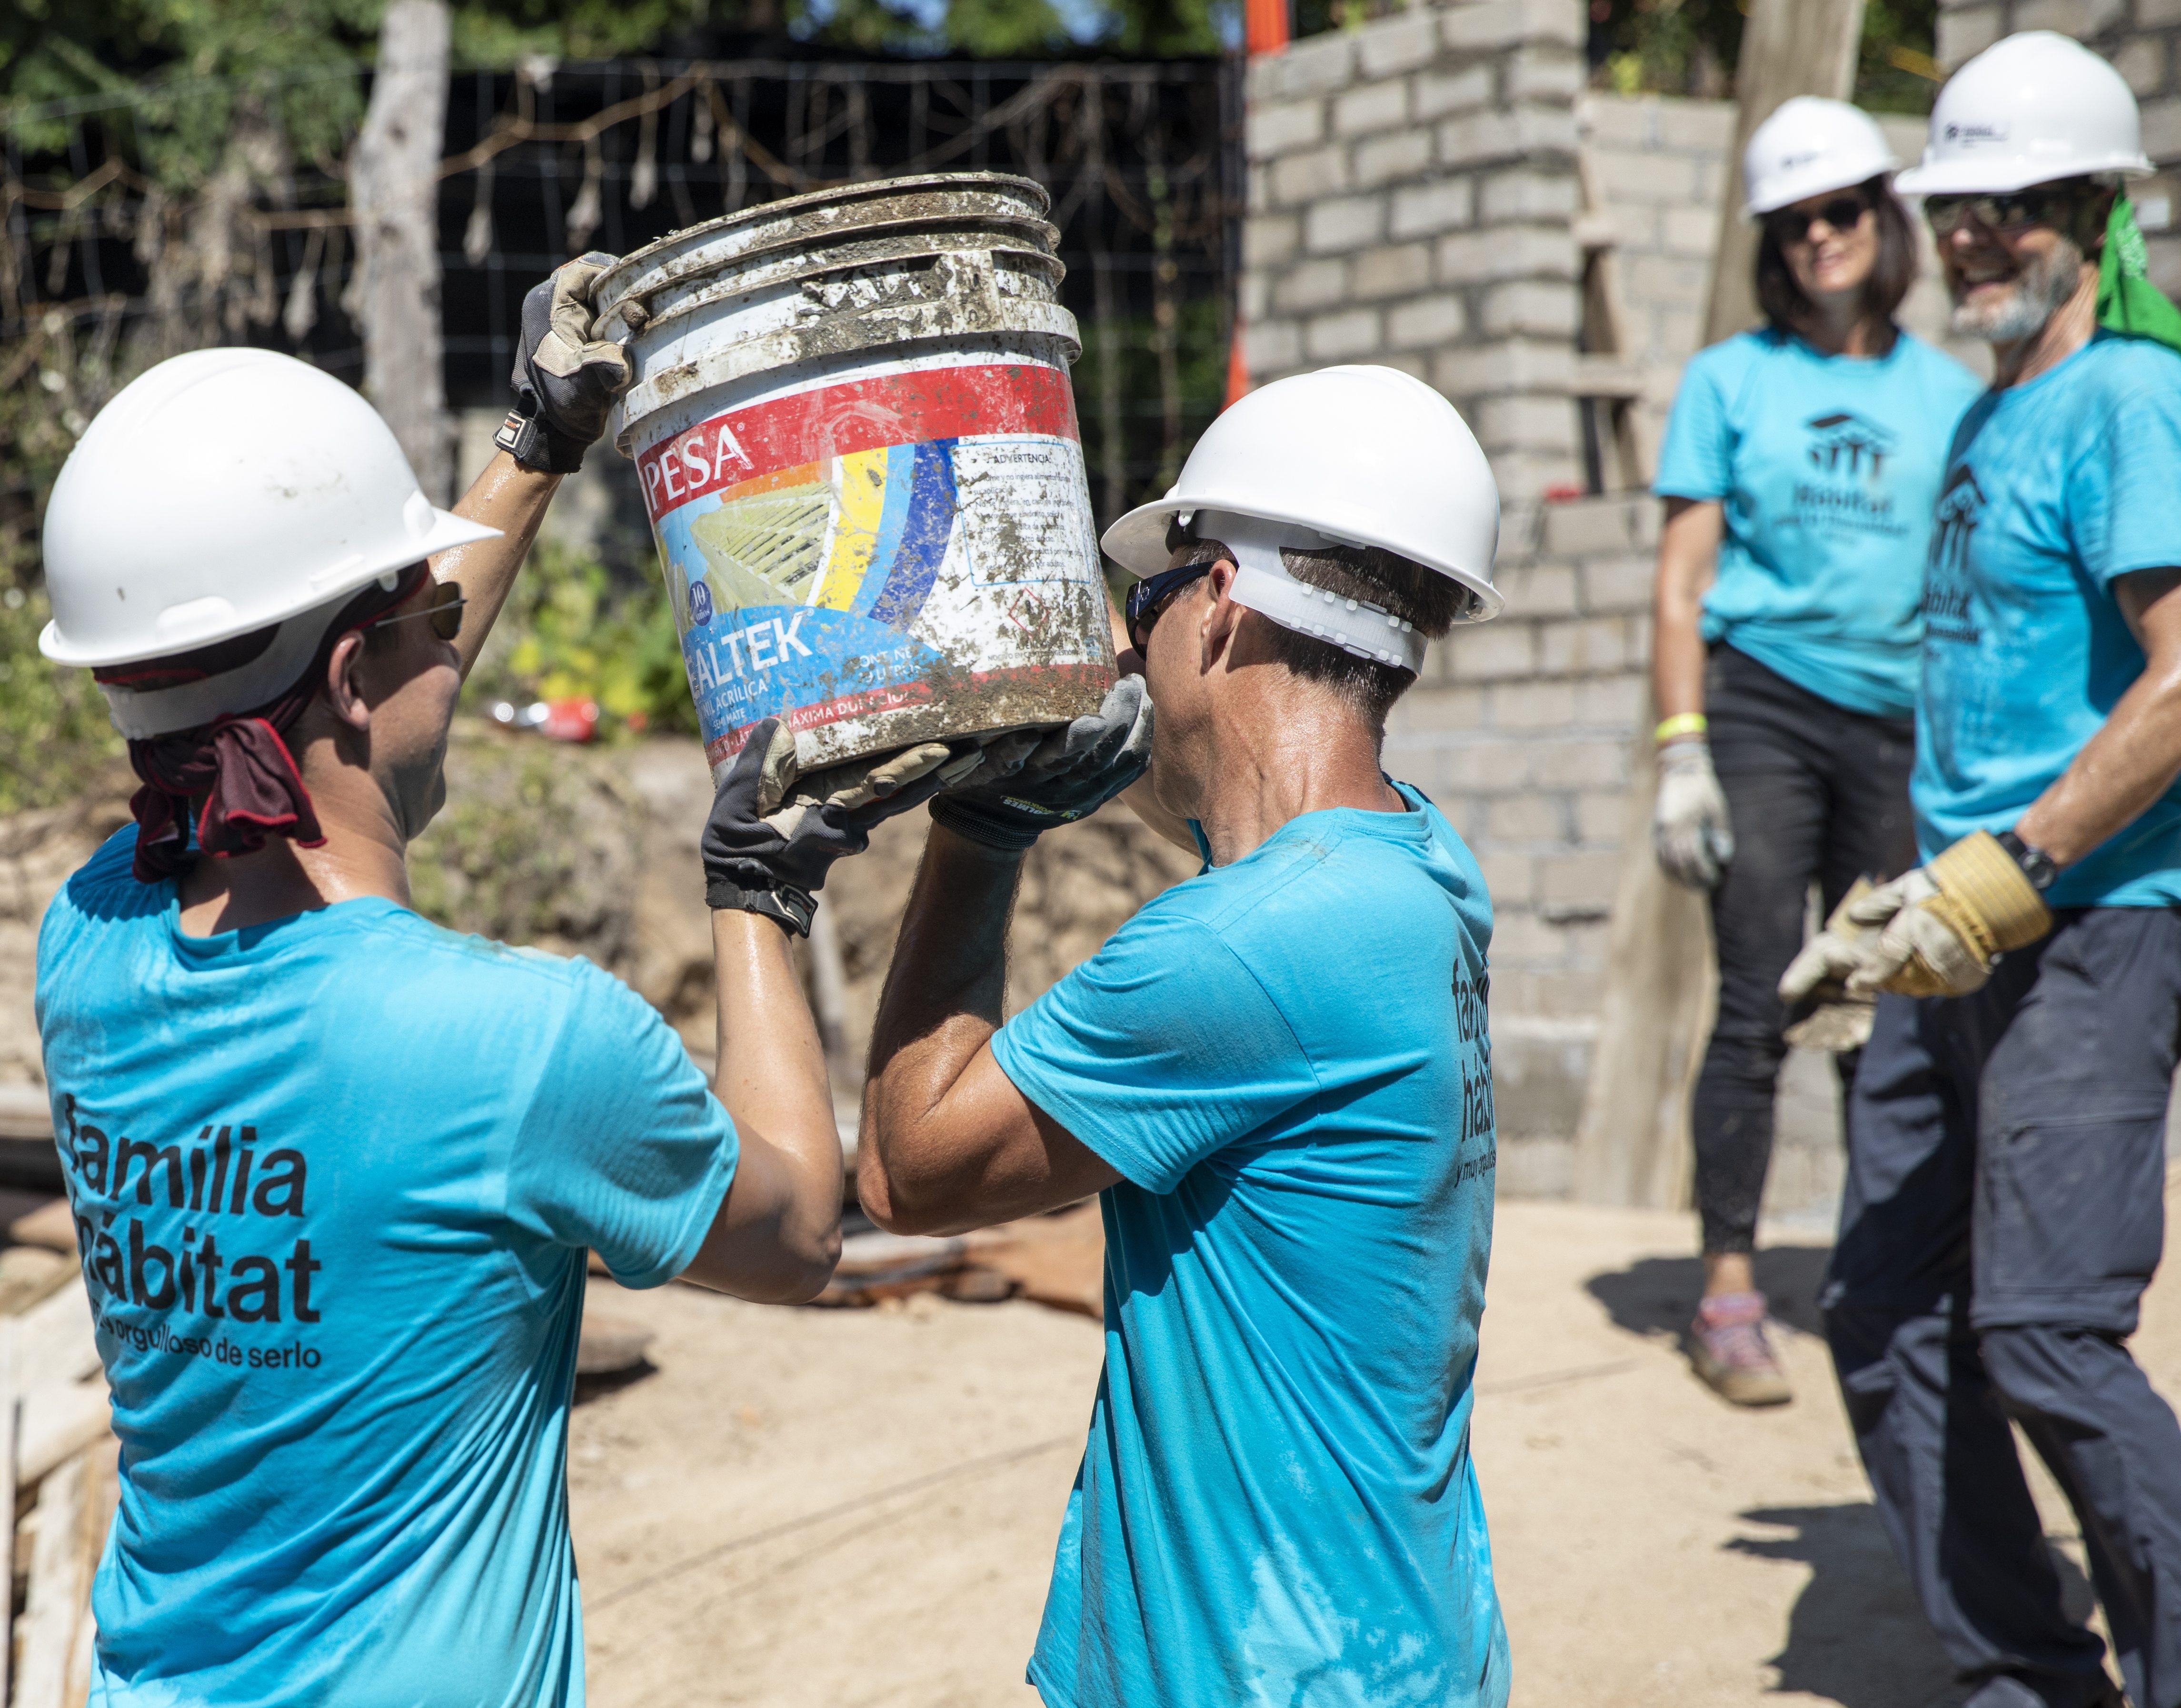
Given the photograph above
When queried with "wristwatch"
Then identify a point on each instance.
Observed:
(2040, 867)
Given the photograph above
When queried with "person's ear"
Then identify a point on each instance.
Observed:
(1222, 617)
(344, 695)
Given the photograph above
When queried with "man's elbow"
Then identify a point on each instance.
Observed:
(804, 1269)
(892, 1203)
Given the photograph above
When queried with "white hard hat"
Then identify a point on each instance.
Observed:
(219, 492)
(2027, 110)
(1352, 456)
(1807, 146)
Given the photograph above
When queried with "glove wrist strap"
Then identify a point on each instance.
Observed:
(537, 447)
(793, 908)
(966, 822)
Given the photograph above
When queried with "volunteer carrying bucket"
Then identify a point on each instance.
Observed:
(858, 449)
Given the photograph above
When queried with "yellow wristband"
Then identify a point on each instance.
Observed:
(1681, 724)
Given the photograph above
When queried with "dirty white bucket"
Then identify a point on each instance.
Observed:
(859, 448)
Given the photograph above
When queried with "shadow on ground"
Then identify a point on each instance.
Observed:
(1855, 1636)
(1657, 1296)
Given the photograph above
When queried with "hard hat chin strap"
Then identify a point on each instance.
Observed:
(1263, 584)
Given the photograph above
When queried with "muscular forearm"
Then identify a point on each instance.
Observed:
(779, 1235)
(2127, 765)
(512, 498)
(940, 1006)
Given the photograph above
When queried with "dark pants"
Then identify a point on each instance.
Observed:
(1817, 794)
(2005, 1207)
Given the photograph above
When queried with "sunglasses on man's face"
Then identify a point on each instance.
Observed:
(1793, 224)
(2016, 211)
(443, 613)
(1149, 598)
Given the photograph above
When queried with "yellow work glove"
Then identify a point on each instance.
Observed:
(1932, 932)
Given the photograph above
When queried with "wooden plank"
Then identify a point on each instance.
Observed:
(54, 1341)
(8, 1338)
(58, 1592)
(56, 1422)
(102, 1493)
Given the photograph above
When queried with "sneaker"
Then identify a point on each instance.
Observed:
(1728, 1349)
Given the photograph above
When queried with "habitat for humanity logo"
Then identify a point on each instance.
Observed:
(1844, 443)
(1946, 610)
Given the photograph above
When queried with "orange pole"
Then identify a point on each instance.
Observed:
(1265, 25)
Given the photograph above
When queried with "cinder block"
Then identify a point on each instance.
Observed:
(1299, 179)
(1696, 127)
(1268, 238)
(1271, 348)
(1541, 590)
(1580, 762)
(1617, 585)
(1601, 816)
(1647, 513)
(1498, 252)
(1426, 323)
(2142, 61)
(1667, 178)
(1393, 270)
(1614, 705)
(1257, 189)
(1432, 208)
(1433, 706)
(1280, 126)
(1524, 819)
(2161, 128)
(1964, 31)
(1492, 652)
(1519, 422)
(1504, 365)
(1415, 363)
(1373, 107)
(1532, 306)
(1481, 25)
(1394, 45)
(1344, 224)
(1350, 333)
(1691, 233)
(1473, 139)
(1525, 476)
(1527, 194)
(1586, 528)
(1319, 65)
(1256, 294)
(1511, 879)
(1552, 73)
(1493, 767)
(1577, 886)
(1591, 646)
(2148, 13)
(1313, 285)
(1439, 92)
(1662, 279)
(1623, 123)
(1523, 937)
(2077, 18)
(1398, 154)
(1533, 705)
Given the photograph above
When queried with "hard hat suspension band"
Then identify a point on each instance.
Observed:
(1263, 584)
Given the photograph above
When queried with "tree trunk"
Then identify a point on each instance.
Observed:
(394, 185)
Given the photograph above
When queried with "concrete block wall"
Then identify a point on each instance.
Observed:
(1411, 188)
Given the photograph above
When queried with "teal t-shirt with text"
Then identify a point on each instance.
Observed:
(333, 1179)
(1288, 1060)
(2055, 489)
(1825, 467)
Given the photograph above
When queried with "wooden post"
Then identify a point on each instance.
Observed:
(1632, 1143)
(393, 189)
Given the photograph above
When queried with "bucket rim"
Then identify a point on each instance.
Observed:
(616, 281)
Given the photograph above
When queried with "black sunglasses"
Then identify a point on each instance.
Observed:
(1149, 598)
(2015, 210)
(445, 612)
(1793, 224)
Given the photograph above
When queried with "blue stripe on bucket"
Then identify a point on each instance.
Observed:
(926, 532)
(893, 519)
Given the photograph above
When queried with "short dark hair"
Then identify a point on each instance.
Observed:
(1891, 275)
(1370, 574)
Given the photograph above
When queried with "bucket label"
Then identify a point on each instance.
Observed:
(851, 548)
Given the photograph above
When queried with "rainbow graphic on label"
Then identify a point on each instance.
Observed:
(829, 552)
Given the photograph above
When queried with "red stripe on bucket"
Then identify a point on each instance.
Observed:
(887, 699)
(906, 408)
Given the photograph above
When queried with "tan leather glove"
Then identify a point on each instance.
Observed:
(1932, 932)
(1821, 1014)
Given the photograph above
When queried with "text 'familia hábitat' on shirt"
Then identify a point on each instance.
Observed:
(128, 1194)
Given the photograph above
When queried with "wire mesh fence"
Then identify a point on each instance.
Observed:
(108, 261)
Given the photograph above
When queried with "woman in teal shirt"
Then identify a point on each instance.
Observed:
(1799, 469)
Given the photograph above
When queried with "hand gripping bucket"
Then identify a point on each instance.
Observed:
(858, 449)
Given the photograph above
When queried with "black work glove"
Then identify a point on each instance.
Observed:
(566, 378)
(775, 864)
(1027, 784)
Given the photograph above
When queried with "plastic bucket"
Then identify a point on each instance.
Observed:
(858, 449)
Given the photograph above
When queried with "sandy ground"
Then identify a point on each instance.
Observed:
(834, 1508)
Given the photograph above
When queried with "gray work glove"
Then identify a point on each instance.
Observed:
(775, 864)
(1689, 828)
(1028, 782)
(566, 379)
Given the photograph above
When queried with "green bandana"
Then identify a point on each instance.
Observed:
(2127, 301)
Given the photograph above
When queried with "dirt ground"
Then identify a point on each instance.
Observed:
(825, 1508)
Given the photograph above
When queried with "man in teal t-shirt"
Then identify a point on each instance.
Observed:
(1277, 1077)
(2003, 1210)
(334, 1170)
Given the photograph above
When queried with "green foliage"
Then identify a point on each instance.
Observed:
(1690, 47)
(1895, 71)
(570, 630)
(54, 731)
